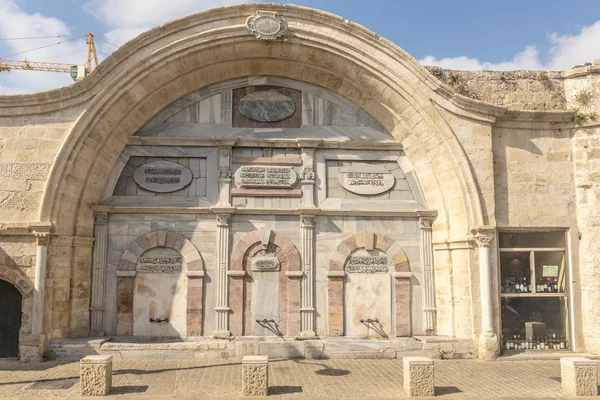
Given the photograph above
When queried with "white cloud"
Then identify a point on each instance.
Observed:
(125, 19)
(15, 24)
(565, 52)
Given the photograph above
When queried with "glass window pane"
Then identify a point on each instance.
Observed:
(515, 274)
(536, 323)
(538, 239)
(550, 271)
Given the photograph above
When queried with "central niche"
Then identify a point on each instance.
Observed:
(264, 287)
(368, 278)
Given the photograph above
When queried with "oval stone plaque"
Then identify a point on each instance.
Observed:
(162, 176)
(265, 263)
(267, 106)
(366, 179)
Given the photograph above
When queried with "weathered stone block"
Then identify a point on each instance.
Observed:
(255, 376)
(418, 376)
(96, 375)
(579, 376)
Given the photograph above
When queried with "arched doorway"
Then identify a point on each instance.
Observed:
(10, 315)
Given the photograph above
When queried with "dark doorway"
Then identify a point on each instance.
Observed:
(10, 319)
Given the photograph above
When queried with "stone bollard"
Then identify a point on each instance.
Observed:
(579, 376)
(255, 376)
(96, 375)
(418, 376)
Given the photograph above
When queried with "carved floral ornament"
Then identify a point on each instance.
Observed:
(266, 25)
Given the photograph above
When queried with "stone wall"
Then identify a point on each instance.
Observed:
(518, 90)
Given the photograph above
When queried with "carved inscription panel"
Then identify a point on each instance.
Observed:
(265, 177)
(367, 265)
(160, 261)
(366, 179)
(162, 176)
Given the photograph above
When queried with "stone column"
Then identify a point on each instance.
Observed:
(308, 177)
(99, 274)
(37, 317)
(222, 266)
(428, 284)
(224, 179)
(489, 347)
(307, 311)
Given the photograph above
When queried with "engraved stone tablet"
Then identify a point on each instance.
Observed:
(267, 106)
(160, 264)
(367, 265)
(162, 176)
(366, 179)
(265, 177)
(265, 263)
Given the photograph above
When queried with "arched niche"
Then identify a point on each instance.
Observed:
(24, 286)
(336, 274)
(192, 270)
(265, 244)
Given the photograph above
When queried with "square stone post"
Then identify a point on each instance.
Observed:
(307, 311)
(418, 376)
(255, 376)
(579, 376)
(96, 375)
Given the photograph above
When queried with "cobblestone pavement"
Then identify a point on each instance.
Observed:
(289, 378)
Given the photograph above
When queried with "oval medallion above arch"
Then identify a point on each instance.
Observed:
(179, 256)
(256, 253)
(339, 264)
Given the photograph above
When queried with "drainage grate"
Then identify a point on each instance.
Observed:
(53, 384)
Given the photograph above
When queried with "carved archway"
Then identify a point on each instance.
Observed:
(290, 276)
(337, 273)
(24, 285)
(126, 279)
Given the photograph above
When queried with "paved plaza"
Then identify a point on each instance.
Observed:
(288, 379)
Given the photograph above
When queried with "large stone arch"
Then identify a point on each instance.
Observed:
(290, 275)
(166, 63)
(336, 274)
(126, 278)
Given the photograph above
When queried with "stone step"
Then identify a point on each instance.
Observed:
(329, 348)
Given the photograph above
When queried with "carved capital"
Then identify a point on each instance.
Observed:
(224, 151)
(308, 174)
(426, 223)
(100, 218)
(484, 239)
(223, 220)
(42, 238)
(266, 25)
(224, 172)
(308, 221)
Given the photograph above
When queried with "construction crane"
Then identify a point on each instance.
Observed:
(78, 72)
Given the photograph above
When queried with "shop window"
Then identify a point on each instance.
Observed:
(533, 290)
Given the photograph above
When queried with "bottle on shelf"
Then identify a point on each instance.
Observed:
(555, 285)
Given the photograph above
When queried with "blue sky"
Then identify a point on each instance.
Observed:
(467, 34)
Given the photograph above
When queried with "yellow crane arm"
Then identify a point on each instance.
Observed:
(7, 65)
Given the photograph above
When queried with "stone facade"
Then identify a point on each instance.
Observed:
(144, 201)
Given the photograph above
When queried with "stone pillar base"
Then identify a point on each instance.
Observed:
(96, 375)
(579, 376)
(31, 348)
(222, 334)
(418, 376)
(488, 347)
(255, 376)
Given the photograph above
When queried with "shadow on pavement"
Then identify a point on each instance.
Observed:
(116, 390)
(274, 390)
(441, 390)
